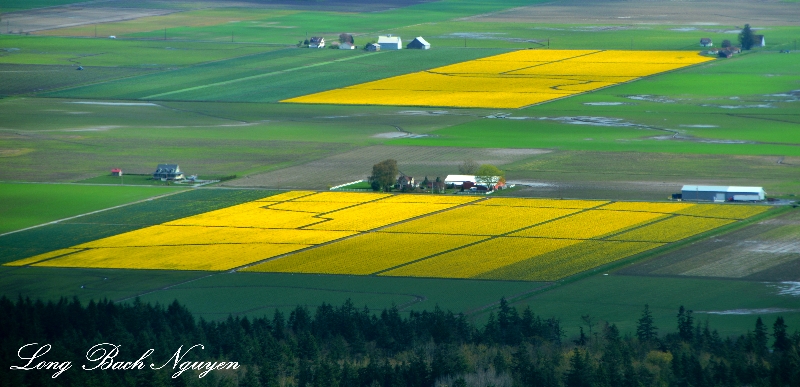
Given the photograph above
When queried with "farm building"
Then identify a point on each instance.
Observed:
(373, 47)
(419, 43)
(722, 193)
(168, 172)
(758, 41)
(316, 42)
(390, 42)
(459, 180)
(116, 172)
(347, 46)
(469, 181)
(404, 182)
(706, 42)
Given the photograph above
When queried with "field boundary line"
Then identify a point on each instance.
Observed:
(488, 238)
(255, 76)
(92, 212)
(235, 269)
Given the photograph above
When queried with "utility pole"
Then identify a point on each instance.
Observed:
(548, 43)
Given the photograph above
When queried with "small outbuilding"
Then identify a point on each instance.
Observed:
(168, 172)
(373, 47)
(758, 41)
(316, 42)
(116, 172)
(706, 42)
(390, 42)
(711, 193)
(347, 46)
(419, 43)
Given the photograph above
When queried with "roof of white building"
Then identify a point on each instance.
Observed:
(389, 40)
(719, 188)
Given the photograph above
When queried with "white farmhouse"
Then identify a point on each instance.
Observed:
(390, 42)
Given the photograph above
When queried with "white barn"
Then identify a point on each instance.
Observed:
(713, 193)
(390, 42)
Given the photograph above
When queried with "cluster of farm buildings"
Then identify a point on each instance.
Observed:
(387, 42)
(462, 182)
(727, 49)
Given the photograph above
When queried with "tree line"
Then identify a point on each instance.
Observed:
(338, 346)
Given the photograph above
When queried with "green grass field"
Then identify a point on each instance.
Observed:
(22, 205)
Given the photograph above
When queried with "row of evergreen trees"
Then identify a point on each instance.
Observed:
(347, 346)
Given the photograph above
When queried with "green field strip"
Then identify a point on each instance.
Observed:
(223, 83)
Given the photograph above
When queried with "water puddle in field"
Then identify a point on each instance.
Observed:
(759, 106)
(739, 312)
(115, 103)
(606, 103)
(650, 98)
(787, 288)
(423, 112)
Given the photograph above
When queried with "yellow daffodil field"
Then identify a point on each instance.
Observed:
(440, 236)
(511, 80)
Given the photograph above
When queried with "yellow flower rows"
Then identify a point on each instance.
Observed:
(546, 248)
(209, 257)
(569, 260)
(541, 203)
(373, 215)
(497, 99)
(510, 80)
(625, 56)
(481, 220)
(484, 67)
(673, 229)
(425, 81)
(313, 207)
(365, 254)
(286, 196)
(589, 224)
(162, 235)
(251, 214)
(726, 211)
(539, 55)
(342, 197)
(666, 208)
(590, 69)
(443, 199)
(482, 257)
